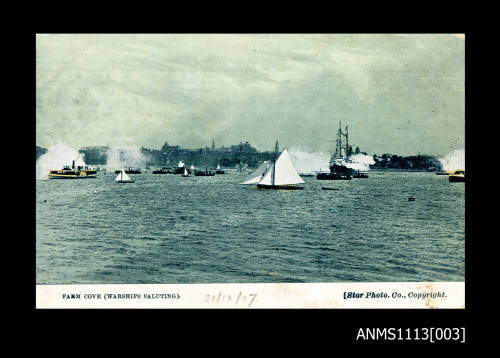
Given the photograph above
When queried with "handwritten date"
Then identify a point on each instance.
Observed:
(240, 299)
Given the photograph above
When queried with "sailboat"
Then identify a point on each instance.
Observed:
(186, 173)
(276, 174)
(122, 177)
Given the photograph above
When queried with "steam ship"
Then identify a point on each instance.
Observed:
(163, 170)
(73, 172)
(129, 171)
(339, 161)
(204, 173)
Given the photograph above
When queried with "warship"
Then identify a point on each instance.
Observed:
(340, 160)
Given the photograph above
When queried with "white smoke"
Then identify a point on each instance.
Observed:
(124, 157)
(309, 161)
(454, 160)
(360, 162)
(57, 157)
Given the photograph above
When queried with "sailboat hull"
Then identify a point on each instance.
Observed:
(279, 187)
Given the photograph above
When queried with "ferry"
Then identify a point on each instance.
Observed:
(457, 176)
(73, 172)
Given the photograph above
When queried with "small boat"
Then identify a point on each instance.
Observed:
(332, 176)
(411, 198)
(73, 172)
(218, 170)
(129, 171)
(358, 174)
(276, 174)
(204, 173)
(441, 173)
(123, 178)
(306, 175)
(180, 168)
(186, 173)
(163, 170)
(326, 188)
(458, 176)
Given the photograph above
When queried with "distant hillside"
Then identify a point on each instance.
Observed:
(203, 157)
(414, 162)
(227, 157)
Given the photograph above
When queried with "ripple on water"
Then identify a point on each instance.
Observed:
(167, 230)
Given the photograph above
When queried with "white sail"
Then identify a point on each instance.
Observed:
(192, 166)
(255, 177)
(185, 172)
(284, 172)
(218, 166)
(266, 178)
(122, 176)
(180, 165)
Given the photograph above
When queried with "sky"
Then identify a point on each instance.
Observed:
(401, 94)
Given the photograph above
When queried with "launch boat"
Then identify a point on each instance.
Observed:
(276, 174)
(359, 174)
(129, 171)
(73, 172)
(180, 168)
(204, 173)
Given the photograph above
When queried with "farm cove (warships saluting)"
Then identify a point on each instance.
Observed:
(340, 160)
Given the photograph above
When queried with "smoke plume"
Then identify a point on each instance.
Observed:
(309, 161)
(454, 160)
(125, 157)
(56, 157)
(361, 162)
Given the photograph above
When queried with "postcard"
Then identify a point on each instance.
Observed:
(247, 171)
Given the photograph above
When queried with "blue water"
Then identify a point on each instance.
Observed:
(170, 229)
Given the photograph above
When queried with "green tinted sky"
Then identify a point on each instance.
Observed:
(399, 94)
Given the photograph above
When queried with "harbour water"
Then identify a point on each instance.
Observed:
(170, 229)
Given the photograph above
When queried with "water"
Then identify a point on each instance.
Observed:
(170, 229)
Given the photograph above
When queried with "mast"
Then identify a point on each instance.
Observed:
(340, 138)
(273, 173)
(346, 142)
